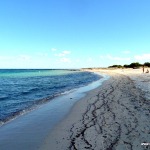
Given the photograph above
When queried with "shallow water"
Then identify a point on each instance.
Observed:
(32, 128)
(22, 89)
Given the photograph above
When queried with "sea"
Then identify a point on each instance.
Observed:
(22, 90)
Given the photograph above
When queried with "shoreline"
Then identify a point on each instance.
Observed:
(113, 116)
(41, 101)
(37, 123)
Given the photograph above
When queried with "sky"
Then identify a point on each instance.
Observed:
(73, 33)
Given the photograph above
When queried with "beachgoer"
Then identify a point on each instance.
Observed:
(147, 71)
(143, 68)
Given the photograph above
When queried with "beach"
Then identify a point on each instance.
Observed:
(114, 116)
(28, 129)
(75, 75)
(109, 114)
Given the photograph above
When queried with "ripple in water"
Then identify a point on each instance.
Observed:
(23, 89)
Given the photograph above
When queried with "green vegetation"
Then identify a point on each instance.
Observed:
(115, 66)
(147, 64)
(133, 65)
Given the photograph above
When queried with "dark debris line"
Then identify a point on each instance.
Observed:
(101, 115)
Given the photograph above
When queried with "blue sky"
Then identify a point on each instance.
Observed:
(73, 33)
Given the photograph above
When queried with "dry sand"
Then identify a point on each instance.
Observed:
(115, 116)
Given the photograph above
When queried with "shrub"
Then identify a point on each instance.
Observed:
(147, 64)
(115, 66)
(135, 65)
(132, 65)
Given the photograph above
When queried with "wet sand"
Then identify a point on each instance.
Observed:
(115, 116)
(29, 130)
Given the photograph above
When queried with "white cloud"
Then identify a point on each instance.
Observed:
(20, 61)
(60, 55)
(66, 52)
(42, 54)
(63, 54)
(24, 57)
(53, 49)
(144, 57)
(15, 58)
(65, 60)
(114, 58)
(3, 58)
(126, 52)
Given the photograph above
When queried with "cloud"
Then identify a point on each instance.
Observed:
(117, 58)
(42, 54)
(65, 60)
(3, 58)
(144, 57)
(66, 52)
(15, 58)
(110, 57)
(114, 58)
(60, 55)
(63, 54)
(24, 57)
(126, 52)
(18, 61)
(53, 49)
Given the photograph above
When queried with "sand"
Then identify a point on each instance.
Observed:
(115, 116)
(29, 130)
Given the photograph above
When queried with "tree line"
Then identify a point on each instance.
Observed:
(132, 65)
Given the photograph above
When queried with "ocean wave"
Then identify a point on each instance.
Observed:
(33, 105)
(33, 91)
(29, 91)
(2, 98)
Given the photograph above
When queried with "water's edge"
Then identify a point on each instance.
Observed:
(26, 103)
(31, 128)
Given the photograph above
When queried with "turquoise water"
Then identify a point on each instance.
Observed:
(31, 72)
(22, 89)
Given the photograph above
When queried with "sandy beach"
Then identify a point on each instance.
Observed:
(115, 116)
(74, 75)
